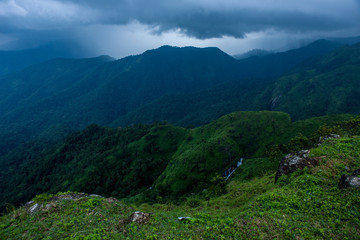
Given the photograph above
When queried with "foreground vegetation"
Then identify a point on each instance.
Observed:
(304, 205)
(127, 162)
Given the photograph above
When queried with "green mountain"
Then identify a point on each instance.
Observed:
(327, 86)
(123, 162)
(75, 93)
(24, 95)
(279, 63)
(316, 87)
(50, 98)
(306, 204)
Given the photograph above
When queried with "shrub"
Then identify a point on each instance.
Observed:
(193, 202)
(42, 197)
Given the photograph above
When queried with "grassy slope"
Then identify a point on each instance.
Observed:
(125, 162)
(304, 205)
(213, 148)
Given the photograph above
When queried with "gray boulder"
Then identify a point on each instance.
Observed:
(352, 181)
(293, 161)
(33, 208)
(139, 217)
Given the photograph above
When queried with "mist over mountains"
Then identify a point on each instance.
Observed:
(15, 60)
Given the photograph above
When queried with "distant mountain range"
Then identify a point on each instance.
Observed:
(321, 85)
(186, 86)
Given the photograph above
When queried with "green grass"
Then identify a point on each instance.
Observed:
(304, 205)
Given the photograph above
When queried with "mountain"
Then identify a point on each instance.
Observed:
(25, 94)
(346, 41)
(318, 86)
(78, 94)
(279, 63)
(327, 86)
(69, 94)
(253, 53)
(15, 60)
(123, 162)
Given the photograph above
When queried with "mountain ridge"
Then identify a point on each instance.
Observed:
(103, 93)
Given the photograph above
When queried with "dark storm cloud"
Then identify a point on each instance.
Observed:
(43, 20)
(201, 19)
(217, 18)
(237, 23)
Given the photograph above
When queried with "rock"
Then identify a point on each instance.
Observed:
(49, 206)
(95, 195)
(139, 217)
(33, 209)
(111, 200)
(69, 196)
(293, 161)
(330, 136)
(350, 181)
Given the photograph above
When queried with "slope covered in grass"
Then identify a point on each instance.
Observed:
(304, 205)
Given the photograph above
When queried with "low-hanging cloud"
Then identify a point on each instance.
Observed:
(201, 19)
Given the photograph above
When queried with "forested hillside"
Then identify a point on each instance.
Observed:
(327, 86)
(316, 87)
(123, 162)
(52, 98)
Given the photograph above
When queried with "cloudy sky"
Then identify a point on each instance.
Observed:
(123, 27)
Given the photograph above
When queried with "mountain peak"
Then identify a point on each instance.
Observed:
(186, 49)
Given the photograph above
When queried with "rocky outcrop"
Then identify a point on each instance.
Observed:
(352, 181)
(33, 207)
(293, 161)
(72, 196)
(330, 136)
(298, 160)
(139, 217)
